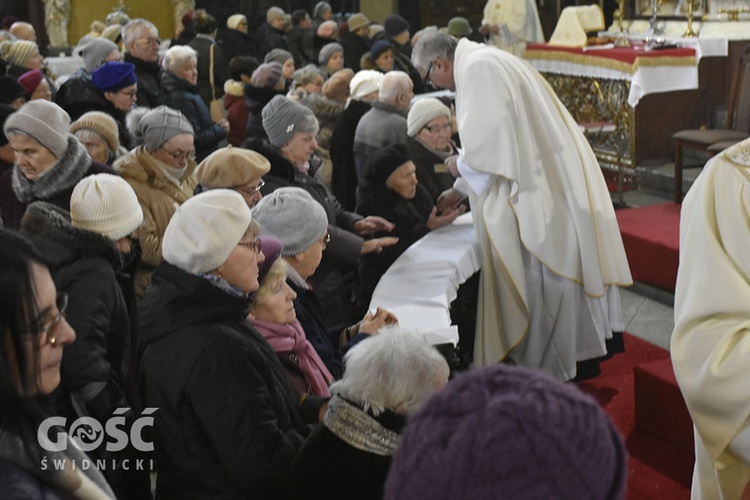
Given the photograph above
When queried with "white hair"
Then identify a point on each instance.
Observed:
(393, 84)
(177, 56)
(433, 45)
(395, 370)
(132, 31)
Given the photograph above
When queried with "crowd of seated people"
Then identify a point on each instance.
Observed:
(217, 266)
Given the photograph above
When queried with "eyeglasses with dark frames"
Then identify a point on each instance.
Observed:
(181, 155)
(427, 77)
(255, 245)
(326, 239)
(48, 333)
(434, 129)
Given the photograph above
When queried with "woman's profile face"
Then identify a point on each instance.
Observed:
(385, 61)
(241, 267)
(46, 345)
(96, 147)
(32, 157)
(289, 68)
(403, 180)
(278, 304)
(189, 71)
(299, 149)
(124, 98)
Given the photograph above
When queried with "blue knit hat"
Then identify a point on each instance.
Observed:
(378, 48)
(512, 433)
(113, 76)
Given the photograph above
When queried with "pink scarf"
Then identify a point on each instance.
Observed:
(290, 338)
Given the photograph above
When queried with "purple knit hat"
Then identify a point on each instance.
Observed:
(271, 248)
(507, 432)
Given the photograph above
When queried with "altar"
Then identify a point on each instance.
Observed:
(647, 95)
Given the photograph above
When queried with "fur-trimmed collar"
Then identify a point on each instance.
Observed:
(235, 88)
(63, 175)
(390, 108)
(141, 166)
(324, 109)
(49, 222)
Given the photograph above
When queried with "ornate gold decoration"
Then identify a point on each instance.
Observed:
(56, 20)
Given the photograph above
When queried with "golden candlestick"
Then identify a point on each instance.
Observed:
(689, 33)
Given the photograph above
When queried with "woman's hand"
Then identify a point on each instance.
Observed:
(223, 123)
(376, 245)
(446, 217)
(372, 224)
(372, 322)
(450, 199)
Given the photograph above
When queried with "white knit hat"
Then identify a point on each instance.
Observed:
(235, 20)
(205, 229)
(422, 111)
(365, 82)
(294, 217)
(45, 121)
(105, 204)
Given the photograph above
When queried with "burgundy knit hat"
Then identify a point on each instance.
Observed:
(30, 80)
(508, 432)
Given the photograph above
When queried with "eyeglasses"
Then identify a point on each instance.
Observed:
(326, 239)
(427, 78)
(181, 155)
(48, 333)
(434, 129)
(250, 191)
(255, 245)
(149, 41)
(130, 94)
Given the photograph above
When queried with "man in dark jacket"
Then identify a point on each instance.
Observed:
(204, 44)
(271, 34)
(356, 42)
(396, 32)
(142, 49)
(300, 39)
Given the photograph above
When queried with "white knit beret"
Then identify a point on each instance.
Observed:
(205, 229)
(45, 121)
(365, 82)
(235, 20)
(293, 216)
(105, 204)
(422, 111)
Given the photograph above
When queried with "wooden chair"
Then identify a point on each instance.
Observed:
(714, 141)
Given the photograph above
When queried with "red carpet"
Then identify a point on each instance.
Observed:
(658, 468)
(651, 236)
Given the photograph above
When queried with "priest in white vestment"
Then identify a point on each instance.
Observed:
(710, 344)
(511, 25)
(552, 255)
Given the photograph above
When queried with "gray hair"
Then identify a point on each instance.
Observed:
(395, 370)
(306, 74)
(85, 134)
(433, 45)
(132, 31)
(394, 83)
(278, 55)
(177, 56)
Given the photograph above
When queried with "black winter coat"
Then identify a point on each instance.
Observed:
(183, 96)
(300, 41)
(410, 218)
(256, 99)
(268, 38)
(227, 425)
(236, 43)
(202, 45)
(77, 95)
(87, 266)
(344, 178)
(150, 93)
(342, 253)
(355, 47)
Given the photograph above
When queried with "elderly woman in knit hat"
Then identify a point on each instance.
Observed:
(325, 33)
(307, 80)
(98, 133)
(301, 225)
(511, 430)
(180, 85)
(236, 41)
(117, 84)
(380, 57)
(390, 189)
(12, 93)
(272, 314)
(234, 168)
(430, 145)
(35, 85)
(363, 89)
(21, 56)
(49, 160)
(321, 13)
(224, 403)
(285, 58)
(291, 129)
(387, 378)
(331, 58)
(95, 52)
(266, 82)
(91, 255)
(161, 173)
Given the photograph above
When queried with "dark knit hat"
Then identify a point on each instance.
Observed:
(278, 55)
(30, 80)
(5, 112)
(384, 162)
(283, 117)
(378, 48)
(271, 248)
(293, 216)
(113, 76)
(395, 25)
(10, 89)
(508, 431)
(267, 75)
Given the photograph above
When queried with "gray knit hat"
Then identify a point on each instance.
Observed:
(161, 124)
(94, 51)
(327, 51)
(45, 121)
(278, 55)
(293, 216)
(283, 117)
